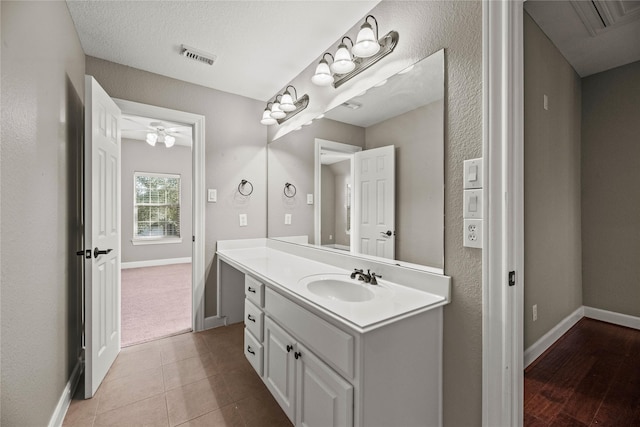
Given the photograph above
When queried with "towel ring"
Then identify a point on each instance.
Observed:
(287, 190)
(241, 186)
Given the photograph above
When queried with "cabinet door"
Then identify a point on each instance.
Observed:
(324, 398)
(279, 366)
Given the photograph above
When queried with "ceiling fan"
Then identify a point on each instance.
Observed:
(158, 132)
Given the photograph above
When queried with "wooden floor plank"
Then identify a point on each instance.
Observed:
(591, 376)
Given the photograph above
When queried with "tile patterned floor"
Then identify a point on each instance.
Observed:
(194, 379)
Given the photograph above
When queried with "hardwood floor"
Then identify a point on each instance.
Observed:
(589, 377)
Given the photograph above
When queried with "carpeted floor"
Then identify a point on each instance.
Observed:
(156, 302)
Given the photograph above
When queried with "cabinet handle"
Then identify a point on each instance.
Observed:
(253, 291)
(297, 355)
(289, 348)
(250, 351)
(250, 317)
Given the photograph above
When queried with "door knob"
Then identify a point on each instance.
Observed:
(97, 252)
(387, 233)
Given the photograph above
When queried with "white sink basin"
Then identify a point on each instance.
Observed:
(338, 288)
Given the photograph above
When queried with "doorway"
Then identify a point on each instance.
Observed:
(175, 275)
(156, 223)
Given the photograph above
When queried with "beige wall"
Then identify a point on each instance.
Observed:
(42, 127)
(138, 156)
(553, 267)
(235, 150)
(418, 139)
(424, 28)
(291, 159)
(610, 200)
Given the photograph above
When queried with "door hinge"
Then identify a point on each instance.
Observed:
(193, 238)
(512, 278)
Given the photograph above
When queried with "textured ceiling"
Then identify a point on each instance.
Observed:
(260, 45)
(593, 36)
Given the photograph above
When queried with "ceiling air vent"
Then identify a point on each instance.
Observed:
(197, 55)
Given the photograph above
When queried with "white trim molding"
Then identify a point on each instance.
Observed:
(547, 340)
(65, 399)
(154, 262)
(197, 188)
(612, 317)
(214, 322)
(503, 252)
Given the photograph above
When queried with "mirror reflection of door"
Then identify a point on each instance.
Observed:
(370, 228)
(374, 176)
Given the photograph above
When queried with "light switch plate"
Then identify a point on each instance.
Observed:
(287, 219)
(473, 173)
(243, 220)
(309, 199)
(472, 204)
(473, 233)
(212, 195)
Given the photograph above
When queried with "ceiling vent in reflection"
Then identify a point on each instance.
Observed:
(351, 105)
(197, 55)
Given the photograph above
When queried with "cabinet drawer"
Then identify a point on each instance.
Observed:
(253, 351)
(253, 318)
(330, 343)
(254, 290)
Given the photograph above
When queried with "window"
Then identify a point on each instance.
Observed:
(156, 207)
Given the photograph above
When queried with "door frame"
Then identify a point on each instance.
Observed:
(197, 194)
(339, 147)
(503, 174)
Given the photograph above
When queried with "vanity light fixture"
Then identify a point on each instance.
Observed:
(276, 111)
(266, 116)
(343, 62)
(323, 76)
(367, 42)
(284, 107)
(366, 51)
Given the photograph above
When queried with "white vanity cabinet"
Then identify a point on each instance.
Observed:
(309, 391)
(376, 363)
(323, 373)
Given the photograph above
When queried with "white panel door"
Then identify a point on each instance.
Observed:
(374, 225)
(279, 368)
(324, 398)
(102, 234)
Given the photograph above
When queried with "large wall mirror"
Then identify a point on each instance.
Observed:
(368, 177)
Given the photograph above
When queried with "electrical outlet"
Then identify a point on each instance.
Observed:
(473, 233)
(287, 219)
(535, 312)
(243, 220)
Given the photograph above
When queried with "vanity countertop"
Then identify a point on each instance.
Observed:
(284, 271)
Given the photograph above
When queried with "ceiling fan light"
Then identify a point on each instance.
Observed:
(366, 43)
(169, 141)
(343, 63)
(286, 103)
(276, 112)
(267, 120)
(323, 76)
(152, 138)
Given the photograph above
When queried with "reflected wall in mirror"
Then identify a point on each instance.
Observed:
(406, 112)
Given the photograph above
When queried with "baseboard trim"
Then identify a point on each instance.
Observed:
(154, 262)
(612, 317)
(214, 322)
(547, 340)
(65, 399)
